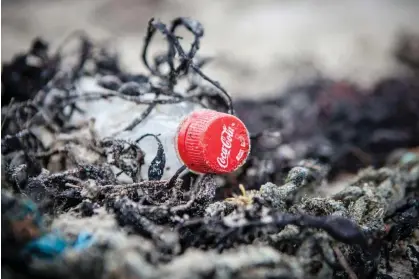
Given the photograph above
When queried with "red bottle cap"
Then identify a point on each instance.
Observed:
(212, 142)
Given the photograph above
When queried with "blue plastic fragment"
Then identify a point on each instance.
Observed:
(84, 240)
(47, 246)
(53, 244)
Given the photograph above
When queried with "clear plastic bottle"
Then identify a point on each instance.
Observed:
(204, 140)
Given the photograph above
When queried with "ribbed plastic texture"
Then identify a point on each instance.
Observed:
(212, 142)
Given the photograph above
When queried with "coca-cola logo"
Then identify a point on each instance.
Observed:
(226, 141)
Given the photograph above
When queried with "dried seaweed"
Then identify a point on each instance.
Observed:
(146, 227)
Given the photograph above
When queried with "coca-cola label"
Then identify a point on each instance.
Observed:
(226, 141)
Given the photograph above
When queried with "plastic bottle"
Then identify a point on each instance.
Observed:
(206, 141)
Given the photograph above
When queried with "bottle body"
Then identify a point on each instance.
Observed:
(113, 115)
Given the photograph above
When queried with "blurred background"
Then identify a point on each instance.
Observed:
(259, 47)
